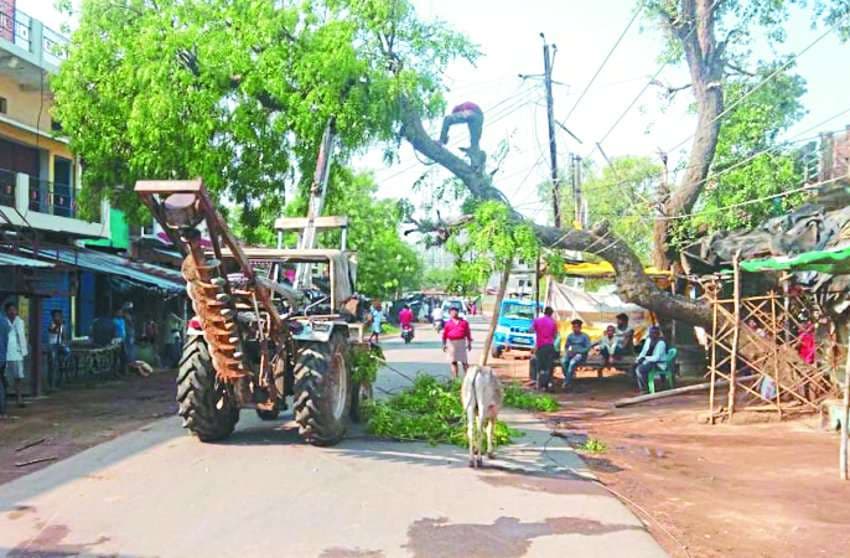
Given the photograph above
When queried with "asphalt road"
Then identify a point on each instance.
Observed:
(159, 492)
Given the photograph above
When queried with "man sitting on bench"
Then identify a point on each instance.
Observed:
(578, 345)
(616, 341)
(652, 355)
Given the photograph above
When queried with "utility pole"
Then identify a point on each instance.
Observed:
(580, 209)
(549, 52)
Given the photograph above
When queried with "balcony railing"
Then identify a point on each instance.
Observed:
(53, 198)
(31, 35)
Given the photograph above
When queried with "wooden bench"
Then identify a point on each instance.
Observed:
(594, 362)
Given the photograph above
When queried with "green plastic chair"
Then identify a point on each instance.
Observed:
(669, 373)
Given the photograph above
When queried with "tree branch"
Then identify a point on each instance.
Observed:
(633, 284)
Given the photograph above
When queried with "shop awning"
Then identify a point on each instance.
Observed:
(162, 278)
(835, 261)
(15, 260)
(604, 270)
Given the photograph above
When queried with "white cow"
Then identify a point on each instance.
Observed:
(481, 393)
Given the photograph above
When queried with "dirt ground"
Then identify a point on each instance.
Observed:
(80, 417)
(764, 489)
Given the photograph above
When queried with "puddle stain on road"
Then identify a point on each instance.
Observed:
(339, 552)
(48, 544)
(562, 484)
(20, 511)
(507, 537)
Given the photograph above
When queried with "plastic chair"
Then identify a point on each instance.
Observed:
(669, 372)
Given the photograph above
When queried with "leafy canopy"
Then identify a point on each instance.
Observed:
(750, 162)
(489, 243)
(238, 92)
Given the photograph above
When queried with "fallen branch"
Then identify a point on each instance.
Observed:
(31, 444)
(35, 461)
(669, 393)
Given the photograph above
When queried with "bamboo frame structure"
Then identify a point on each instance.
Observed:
(753, 344)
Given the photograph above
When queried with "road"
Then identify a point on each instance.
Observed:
(158, 492)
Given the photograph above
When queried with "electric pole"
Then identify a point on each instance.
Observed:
(580, 209)
(548, 61)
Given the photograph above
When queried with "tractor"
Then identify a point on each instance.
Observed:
(259, 334)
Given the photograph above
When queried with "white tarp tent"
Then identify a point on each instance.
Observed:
(596, 310)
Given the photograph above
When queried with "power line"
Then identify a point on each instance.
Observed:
(802, 188)
(605, 61)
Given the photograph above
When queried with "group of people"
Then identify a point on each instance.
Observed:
(14, 347)
(616, 342)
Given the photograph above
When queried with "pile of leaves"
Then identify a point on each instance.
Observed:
(431, 411)
(519, 398)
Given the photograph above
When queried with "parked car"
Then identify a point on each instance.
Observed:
(454, 303)
(513, 328)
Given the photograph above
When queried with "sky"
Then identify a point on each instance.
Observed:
(508, 33)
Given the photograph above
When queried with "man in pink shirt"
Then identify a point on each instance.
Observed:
(465, 113)
(546, 329)
(457, 341)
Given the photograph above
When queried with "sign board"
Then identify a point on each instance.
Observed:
(7, 20)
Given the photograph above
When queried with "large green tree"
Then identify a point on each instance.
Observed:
(239, 91)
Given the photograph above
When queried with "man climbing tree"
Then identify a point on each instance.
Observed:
(465, 113)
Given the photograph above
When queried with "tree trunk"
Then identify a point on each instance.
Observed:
(693, 25)
(494, 318)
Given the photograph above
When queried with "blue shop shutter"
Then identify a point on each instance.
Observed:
(55, 282)
(85, 303)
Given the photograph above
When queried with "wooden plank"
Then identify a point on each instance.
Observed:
(168, 186)
(326, 222)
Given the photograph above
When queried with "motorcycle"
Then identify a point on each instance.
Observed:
(407, 334)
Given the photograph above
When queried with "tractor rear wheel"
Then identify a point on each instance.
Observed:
(323, 391)
(207, 408)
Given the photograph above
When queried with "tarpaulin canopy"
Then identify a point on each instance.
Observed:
(161, 278)
(603, 270)
(596, 310)
(834, 261)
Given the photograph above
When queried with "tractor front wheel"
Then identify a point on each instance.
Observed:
(204, 403)
(323, 390)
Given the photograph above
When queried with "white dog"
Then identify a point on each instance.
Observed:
(481, 393)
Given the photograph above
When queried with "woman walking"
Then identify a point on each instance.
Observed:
(457, 341)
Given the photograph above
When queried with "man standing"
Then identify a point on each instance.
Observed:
(457, 341)
(652, 355)
(5, 327)
(578, 345)
(465, 113)
(377, 319)
(545, 329)
(16, 349)
(55, 348)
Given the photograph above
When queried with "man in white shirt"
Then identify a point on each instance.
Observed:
(16, 349)
(653, 354)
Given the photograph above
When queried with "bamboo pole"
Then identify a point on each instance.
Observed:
(845, 416)
(775, 351)
(736, 296)
(494, 317)
(713, 354)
